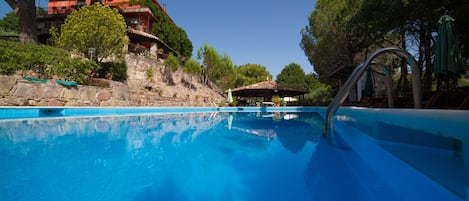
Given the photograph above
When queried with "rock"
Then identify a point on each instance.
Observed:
(55, 102)
(87, 93)
(16, 101)
(72, 103)
(71, 93)
(6, 84)
(42, 102)
(114, 103)
(24, 90)
(120, 91)
(32, 103)
(133, 92)
(103, 95)
(49, 90)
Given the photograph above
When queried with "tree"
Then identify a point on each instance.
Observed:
(251, 73)
(415, 24)
(193, 68)
(326, 41)
(292, 75)
(175, 36)
(103, 29)
(217, 68)
(319, 93)
(26, 12)
(167, 31)
(177, 39)
(9, 24)
(211, 62)
(226, 75)
(171, 64)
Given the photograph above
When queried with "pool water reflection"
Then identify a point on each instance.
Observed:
(197, 156)
(202, 156)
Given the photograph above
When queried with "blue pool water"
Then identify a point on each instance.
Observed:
(228, 154)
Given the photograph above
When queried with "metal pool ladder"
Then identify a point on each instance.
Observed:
(328, 127)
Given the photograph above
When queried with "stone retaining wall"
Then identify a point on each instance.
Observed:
(138, 90)
(15, 91)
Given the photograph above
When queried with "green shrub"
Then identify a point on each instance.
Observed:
(74, 69)
(149, 72)
(276, 99)
(117, 69)
(44, 60)
(8, 61)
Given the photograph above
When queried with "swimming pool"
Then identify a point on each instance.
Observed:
(232, 154)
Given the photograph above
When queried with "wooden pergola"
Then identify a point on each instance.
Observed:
(267, 89)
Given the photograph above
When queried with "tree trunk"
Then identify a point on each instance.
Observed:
(427, 83)
(403, 82)
(26, 12)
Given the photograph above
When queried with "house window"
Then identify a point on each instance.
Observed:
(81, 3)
(133, 21)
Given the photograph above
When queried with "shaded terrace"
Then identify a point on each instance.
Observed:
(267, 89)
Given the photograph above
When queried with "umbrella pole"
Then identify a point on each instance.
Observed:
(448, 83)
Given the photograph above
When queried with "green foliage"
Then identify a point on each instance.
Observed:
(406, 86)
(172, 62)
(177, 38)
(217, 68)
(103, 29)
(45, 60)
(414, 24)
(9, 25)
(211, 61)
(72, 69)
(167, 31)
(118, 70)
(251, 73)
(292, 75)
(149, 73)
(320, 94)
(344, 32)
(227, 73)
(234, 103)
(463, 82)
(327, 41)
(173, 35)
(192, 67)
(276, 99)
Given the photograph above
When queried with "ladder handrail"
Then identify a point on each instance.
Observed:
(328, 126)
(387, 82)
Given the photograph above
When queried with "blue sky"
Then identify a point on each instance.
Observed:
(265, 32)
(4, 8)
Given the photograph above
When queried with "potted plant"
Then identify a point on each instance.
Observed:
(233, 103)
(276, 100)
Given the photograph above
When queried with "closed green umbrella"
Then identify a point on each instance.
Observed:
(448, 61)
(368, 92)
(230, 96)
